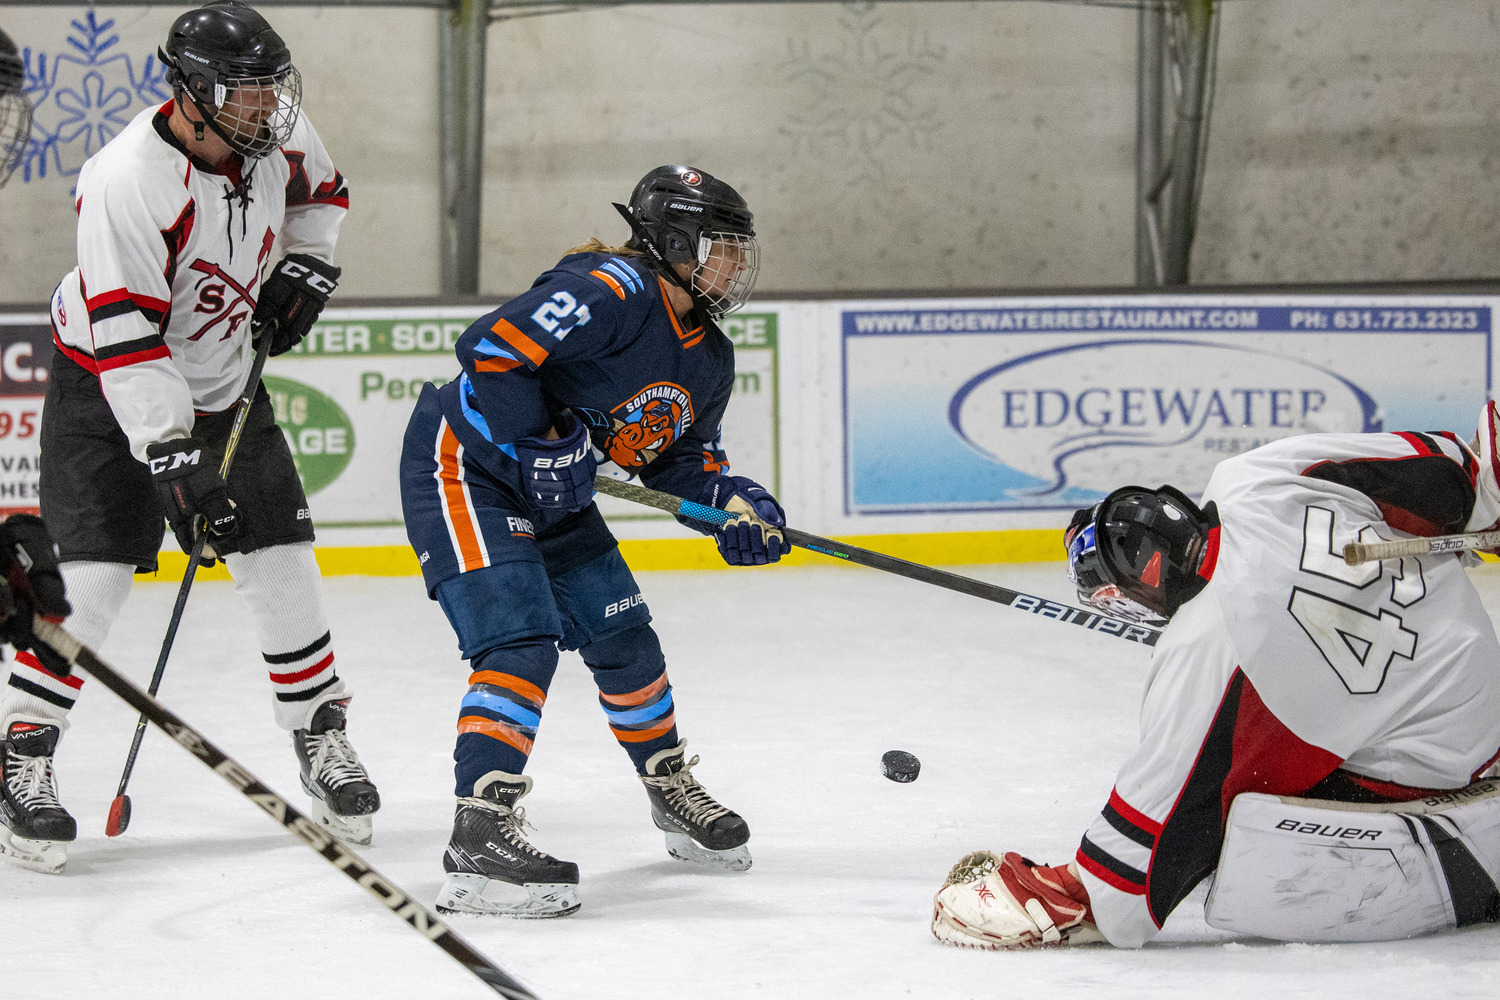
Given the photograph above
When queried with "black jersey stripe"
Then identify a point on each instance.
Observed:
(137, 346)
(1104, 859)
(1128, 829)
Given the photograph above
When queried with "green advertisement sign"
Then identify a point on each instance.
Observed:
(320, 433)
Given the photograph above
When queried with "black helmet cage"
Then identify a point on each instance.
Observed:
(691, 216)
(238, 73)
(1136, 553)
(15, 109)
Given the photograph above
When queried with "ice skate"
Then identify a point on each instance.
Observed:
(343, 797)
(698, 829)
(491, 867)
(34, 827)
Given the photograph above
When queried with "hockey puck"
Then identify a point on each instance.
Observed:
(898, 765)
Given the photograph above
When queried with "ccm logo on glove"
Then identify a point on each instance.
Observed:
(177, 460)
(294, 294)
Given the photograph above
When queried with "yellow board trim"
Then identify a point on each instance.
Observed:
(940, 549)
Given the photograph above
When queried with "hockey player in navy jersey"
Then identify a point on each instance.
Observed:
(1315, 735)
(177, 216)
(611, 357)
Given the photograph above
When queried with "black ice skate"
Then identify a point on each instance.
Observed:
(491, 867)
(34, 827)
(698, 829)
(343, 797)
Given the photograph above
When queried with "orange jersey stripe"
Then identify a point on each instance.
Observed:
(611, 282)
(481, 726)
(496, 364)
(524, 688)
(645, 735)
(637, 697)
(456, 502)
(535, 353)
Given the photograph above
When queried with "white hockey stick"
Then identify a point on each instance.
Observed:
(1361, 552)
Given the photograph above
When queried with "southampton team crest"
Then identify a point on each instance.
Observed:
(646, 424)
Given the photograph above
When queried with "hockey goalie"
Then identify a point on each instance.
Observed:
(1316, 737)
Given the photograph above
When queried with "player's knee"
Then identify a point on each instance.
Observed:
(635, 649)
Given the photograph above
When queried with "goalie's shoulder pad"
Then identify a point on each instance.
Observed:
(1011, 902)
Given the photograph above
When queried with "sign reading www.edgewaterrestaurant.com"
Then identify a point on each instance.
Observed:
(1015, 405)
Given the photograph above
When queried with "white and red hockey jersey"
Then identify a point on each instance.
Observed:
(170, 257)
(1293, 672)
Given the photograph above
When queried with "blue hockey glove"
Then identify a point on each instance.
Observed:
(558, 474)
(750, 539)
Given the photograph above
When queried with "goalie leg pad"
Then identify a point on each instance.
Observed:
(1309, 870)
(1010, 903)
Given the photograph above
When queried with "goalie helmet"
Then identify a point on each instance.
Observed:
(690, 216)
(1135, 554)
(238, 73)
(15, 109)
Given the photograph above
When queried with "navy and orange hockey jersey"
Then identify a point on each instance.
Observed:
(597, 336)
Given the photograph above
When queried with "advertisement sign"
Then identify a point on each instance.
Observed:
(1008, 405)
(25, 352)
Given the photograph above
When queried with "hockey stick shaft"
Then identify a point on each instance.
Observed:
(1092, 620)
(1361, 552)
(428, 924)
(119, 810)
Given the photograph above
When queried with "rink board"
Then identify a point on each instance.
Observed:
(942, 431)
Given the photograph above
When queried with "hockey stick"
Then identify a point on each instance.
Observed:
(396, 899)
(1142, 634)
(1361, 552)
(119, 809)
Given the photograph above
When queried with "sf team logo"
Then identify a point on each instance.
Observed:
(646, 425)
(226, 302)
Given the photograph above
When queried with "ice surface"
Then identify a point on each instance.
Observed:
(790, 683)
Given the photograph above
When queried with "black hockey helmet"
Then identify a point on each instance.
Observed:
(1136, 554)
(15, 109)
(689, 215)
(238, 72)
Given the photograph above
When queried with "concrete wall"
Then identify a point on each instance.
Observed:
(932, 146)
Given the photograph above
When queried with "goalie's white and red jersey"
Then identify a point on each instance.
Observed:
(170, 257)
(1295, 673)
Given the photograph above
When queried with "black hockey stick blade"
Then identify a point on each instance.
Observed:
(305, 829)
(119, 809)
(1092, 620)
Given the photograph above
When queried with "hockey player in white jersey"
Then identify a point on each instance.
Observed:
(1313, 733)
(177, 217)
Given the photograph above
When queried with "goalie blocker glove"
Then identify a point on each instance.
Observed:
(751, 539)
(189, 485)
(558, 474)
(293, 295)
(30, 584)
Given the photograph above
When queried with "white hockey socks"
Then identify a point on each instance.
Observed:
(1310, 870)
(284, 591)
(97, 591)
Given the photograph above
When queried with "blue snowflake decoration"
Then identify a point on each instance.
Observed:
(84, 97)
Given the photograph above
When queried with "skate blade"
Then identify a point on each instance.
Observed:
(685, 848)
(476, 894)
(356, 831)
(45, 856)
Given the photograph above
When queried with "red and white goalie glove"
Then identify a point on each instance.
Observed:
(1486, 448)
(1011, 903)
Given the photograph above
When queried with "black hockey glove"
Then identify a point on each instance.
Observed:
(751, 539)
(31, 585)
(559, 474)
(292, 297)
(190, 485)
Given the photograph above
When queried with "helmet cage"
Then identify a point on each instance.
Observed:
(15, 110)
(728, 264)
(1135, 554)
